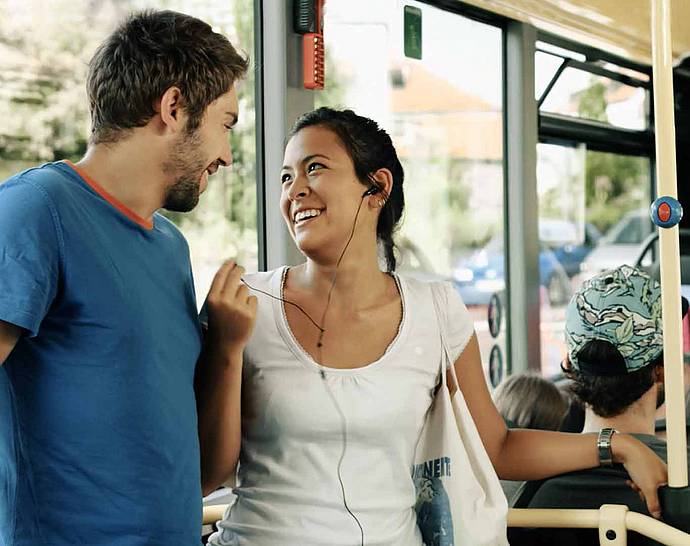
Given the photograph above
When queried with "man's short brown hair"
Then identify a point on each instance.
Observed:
(147, 54)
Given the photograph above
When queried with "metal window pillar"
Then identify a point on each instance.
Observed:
(280, 100)
(522, 234)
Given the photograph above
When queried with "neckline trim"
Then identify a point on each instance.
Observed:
(277, 284)
(95, 186)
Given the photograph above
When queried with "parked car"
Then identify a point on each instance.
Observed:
(569, 246)
(483, 274)
(647, 258)
(620, 245)
(562, 248)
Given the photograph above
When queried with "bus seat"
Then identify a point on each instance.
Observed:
(589, 490)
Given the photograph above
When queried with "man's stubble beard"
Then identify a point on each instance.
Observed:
(187, 164)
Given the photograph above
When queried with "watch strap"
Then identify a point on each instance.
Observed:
(604, 446)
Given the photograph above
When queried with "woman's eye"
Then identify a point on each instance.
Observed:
(314, 167)
(284, 178)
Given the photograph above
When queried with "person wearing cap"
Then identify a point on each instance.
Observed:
(615, 361)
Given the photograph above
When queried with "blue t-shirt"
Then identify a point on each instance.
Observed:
(98, 424)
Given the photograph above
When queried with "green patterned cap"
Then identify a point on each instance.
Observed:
(621, 306)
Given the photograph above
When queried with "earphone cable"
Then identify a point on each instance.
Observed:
(319, 346)
(330, 290)
(343, 423)
(319, 343)
(284, 301)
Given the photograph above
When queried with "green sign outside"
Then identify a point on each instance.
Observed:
(413, 32)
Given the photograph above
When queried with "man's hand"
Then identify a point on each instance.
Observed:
(231, 310)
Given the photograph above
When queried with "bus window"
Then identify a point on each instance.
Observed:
(591, 192)
(581, 94)
(447, 128)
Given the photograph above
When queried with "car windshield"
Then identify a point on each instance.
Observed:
(630, 230)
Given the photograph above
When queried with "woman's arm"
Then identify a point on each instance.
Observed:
(536, 454)
(218, 380)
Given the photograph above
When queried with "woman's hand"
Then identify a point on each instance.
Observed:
(647, 471)
(231, 311)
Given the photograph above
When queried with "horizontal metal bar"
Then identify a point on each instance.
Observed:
(214, 513)
(611, 74)
(592, 53)
(553, 518)
(559, 129)
(589, 519)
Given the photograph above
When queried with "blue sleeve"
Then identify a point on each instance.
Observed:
(30, 253)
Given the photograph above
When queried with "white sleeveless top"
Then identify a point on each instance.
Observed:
(288, 492)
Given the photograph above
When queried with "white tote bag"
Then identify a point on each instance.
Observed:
(459, 497)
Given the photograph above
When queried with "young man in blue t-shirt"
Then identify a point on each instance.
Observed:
(99, 334)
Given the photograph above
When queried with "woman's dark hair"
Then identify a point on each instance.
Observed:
(147, 54)
(530, 401)
(370, 149)
(610, 395)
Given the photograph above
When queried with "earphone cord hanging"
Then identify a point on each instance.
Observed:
(321, 330)
(335, 275)
(319, 345)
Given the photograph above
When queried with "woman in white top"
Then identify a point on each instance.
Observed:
(340, 369)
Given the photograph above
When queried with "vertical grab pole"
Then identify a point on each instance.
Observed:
(666, 213)
(668, 244)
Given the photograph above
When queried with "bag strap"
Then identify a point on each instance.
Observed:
(446, 362)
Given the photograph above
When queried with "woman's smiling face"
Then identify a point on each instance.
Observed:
(320, 191)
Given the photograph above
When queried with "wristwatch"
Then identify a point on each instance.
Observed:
(604, 446)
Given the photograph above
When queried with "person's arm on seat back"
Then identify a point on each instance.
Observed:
(9, 335)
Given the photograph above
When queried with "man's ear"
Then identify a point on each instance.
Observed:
(170, 108)
(659, 373)
(566, 365)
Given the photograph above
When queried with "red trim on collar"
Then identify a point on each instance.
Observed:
(146, 224)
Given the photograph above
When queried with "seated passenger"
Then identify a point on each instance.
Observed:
(527, 400)
(614, 338)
